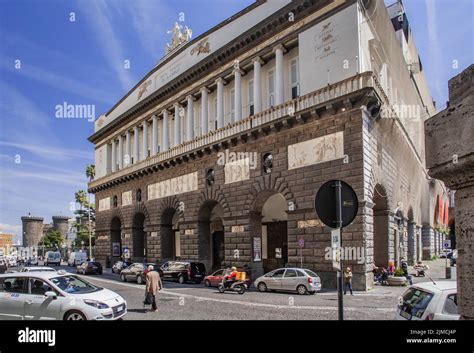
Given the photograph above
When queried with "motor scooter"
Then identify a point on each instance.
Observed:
(237, 286)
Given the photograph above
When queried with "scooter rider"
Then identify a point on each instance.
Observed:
(231, 278)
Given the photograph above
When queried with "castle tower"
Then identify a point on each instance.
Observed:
(60, 223)
(32, 230)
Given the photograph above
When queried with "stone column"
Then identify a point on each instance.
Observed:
(257, 84)
(120, 151)
(135, 144)
(154, 135)
(165, 144)
(220, 102)
(145, 140)
(238, 94)
(177, 125)
(114, 156)
(190, 118)
(449, 141)
(204, 111)
(279, 93)
(128, 149)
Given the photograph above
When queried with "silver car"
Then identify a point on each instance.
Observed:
(289, 279)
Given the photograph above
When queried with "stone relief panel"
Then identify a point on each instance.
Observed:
(318, 150)
(237, 171)
(104, 204)
(175, 186)
(127, 198)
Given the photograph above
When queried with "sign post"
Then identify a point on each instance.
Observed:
(301, 244)
(446, 247)
(336, 204)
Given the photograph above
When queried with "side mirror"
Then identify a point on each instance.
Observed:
(50, 295)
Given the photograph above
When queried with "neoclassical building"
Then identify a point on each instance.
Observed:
(216, 155)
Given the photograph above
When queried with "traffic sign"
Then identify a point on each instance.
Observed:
(447, 244)
(301, 242)
(326, 204)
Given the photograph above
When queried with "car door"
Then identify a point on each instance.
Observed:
(289, 280)
(12, 297)
(274, 281)
(449, 308)
(216, 278)
(37, 305)
(129, 271)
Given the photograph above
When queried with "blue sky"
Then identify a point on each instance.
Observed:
(43, 158)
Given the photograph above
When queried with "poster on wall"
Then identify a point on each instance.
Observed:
(257, 249)
(116, 249)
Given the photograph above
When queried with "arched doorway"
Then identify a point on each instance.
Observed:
(139, 238)
(211, 244)
(381, 227)
(271, 217)
(115, 239)
(170, 235)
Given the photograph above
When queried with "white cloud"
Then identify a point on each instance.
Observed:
(10, 228)
(58, 82)
(99, 16)
(50, 152)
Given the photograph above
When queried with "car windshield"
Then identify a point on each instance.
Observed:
(415, 302)
(74, 285)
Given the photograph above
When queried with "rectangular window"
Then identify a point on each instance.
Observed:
(271, 88)
(214, 124)
(294, 78)
(251, 102)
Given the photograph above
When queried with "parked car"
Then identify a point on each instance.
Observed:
(37, 269)
(60, 296)
(298, 280)
(214, 279)
(136, 272)
(12, 261)
(90, 268)
(429, 301)
(119, 266)
(184, 271)
(76, 258)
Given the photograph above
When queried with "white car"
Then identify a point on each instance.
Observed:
(77, 258)
(56, 296)
(37, 269)
(429, 301)
(12, 261)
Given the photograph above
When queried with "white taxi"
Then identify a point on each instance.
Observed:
(56, 296)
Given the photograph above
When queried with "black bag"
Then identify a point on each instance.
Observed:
(148, 299)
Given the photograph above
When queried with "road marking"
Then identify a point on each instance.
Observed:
(238, 302)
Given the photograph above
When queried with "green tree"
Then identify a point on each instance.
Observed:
(90, 172)
(53, 238)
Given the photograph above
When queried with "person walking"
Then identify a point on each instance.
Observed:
(348, 280)
(153, 286)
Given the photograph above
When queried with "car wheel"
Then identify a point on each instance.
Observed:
(74, 315)
(262, 287)
(207, 283)
(122, 278)
(181, 280)
(301, 289)
(139, 280)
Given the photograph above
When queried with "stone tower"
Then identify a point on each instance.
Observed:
(60, 223)
(32, 230)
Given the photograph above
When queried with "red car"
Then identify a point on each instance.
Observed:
(214, 279)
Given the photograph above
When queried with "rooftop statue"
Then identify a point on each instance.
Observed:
(178, 37)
